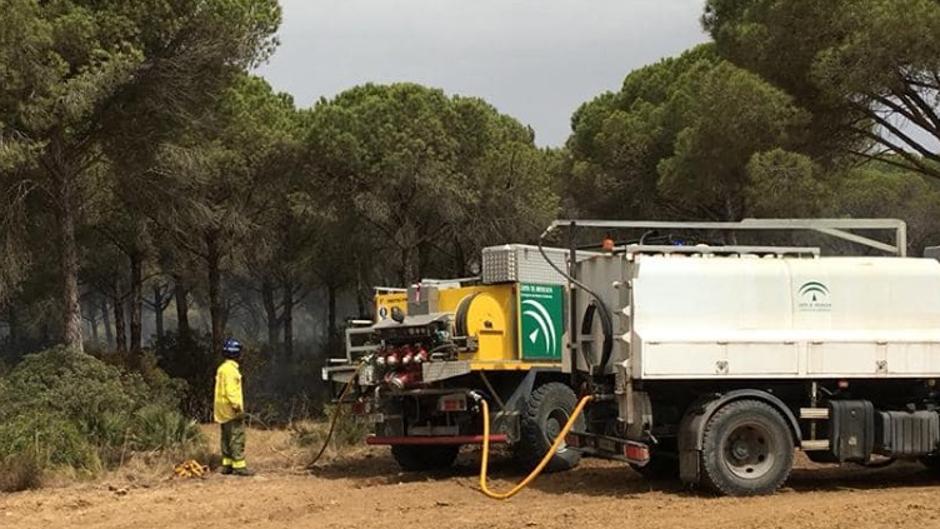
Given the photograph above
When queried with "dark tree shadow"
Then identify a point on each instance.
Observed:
(616, 480)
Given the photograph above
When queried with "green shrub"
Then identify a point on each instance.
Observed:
(159, 428)
(306, 434)
(76, 385)
(349, 430)
(54, 440)
(60, 408)
(189, 357)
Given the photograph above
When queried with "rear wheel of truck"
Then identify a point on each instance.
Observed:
(544, 415)
(747, 449)
(424, 458)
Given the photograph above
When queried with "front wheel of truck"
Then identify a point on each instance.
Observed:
(424, 458)
(747, 449)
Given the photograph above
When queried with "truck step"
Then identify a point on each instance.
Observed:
(814, 444)
(814, 413)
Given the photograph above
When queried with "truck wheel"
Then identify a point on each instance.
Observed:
(424, 458)
(545, 413)
(747, 449)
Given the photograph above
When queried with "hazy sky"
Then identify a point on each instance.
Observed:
(536, 60)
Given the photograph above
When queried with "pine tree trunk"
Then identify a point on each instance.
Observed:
(460, 263)
(270, 312)
(13, 323)
(120, 325)
(287, 314)
(159, 306)
(68, 263)
(182, 308)
(424, 258)
(331, 312)
(93, 324)
(106, 320)
(213, 264)
(136, 303)
(407, 268)
(362, 297)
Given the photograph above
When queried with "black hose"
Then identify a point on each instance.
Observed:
(463, 310)
(336, 413)
(607, 325)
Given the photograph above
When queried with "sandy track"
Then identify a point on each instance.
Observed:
(367, 491)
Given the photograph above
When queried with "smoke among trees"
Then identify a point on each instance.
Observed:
(157, 196)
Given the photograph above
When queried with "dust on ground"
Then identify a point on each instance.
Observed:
(365, 489)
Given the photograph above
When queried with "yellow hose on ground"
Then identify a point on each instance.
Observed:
(336, 411)
(538, 468)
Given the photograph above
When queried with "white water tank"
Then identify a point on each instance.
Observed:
(750, 317)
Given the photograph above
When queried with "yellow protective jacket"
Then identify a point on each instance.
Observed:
(229, 402)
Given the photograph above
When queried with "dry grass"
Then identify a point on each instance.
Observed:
(269, 451)
(21, 472)
(266, 449)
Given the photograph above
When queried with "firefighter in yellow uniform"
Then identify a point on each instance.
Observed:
(229, 410)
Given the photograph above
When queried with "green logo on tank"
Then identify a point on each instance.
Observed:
(541, 314)
(813, 296)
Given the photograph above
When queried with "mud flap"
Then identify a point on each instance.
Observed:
(689, 470)
(690, 448)
(507, 421)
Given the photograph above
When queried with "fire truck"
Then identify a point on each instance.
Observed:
(708, 352)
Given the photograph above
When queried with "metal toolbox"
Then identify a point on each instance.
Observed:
(852, 430)
(521, 263)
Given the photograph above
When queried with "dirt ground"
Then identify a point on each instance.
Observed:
(364, 489)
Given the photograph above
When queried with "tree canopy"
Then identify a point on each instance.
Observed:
(143, 166)
(680, 132)
(100, 82)
(868, 71)
(434, 177)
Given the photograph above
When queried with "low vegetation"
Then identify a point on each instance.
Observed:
(61, 409)
(350, 430)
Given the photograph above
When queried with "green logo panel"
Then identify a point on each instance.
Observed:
(541, 315)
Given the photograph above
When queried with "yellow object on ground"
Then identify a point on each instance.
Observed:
(538, 468)
(229, 402)
(190, 469)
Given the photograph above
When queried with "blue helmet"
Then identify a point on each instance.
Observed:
(232, 348)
